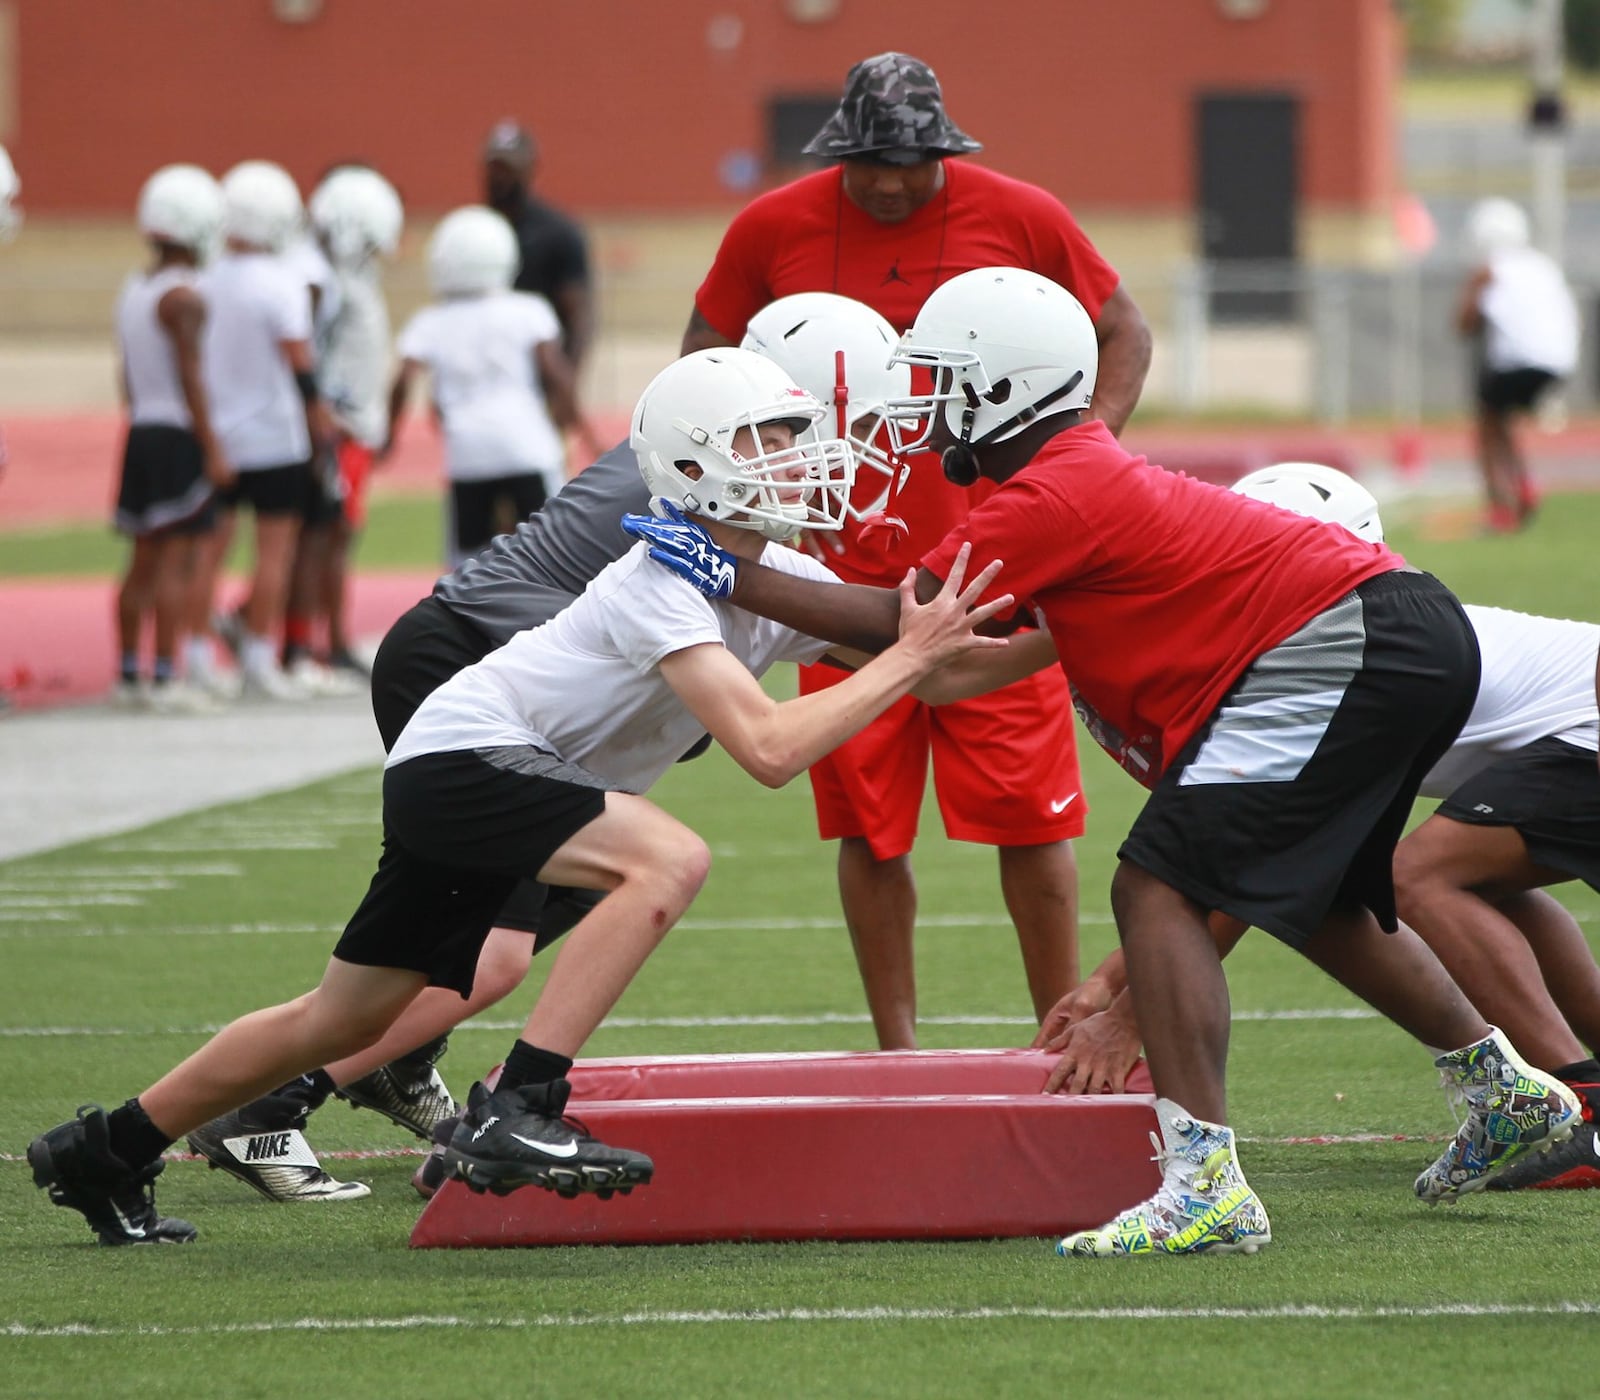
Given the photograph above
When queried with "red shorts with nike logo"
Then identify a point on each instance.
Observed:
(1005, 768)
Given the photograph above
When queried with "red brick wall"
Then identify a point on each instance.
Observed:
(636, 108)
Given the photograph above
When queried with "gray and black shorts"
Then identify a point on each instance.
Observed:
(1549, 793)
(1288, 803)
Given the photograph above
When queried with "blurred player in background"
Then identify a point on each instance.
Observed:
(266, 410)
(1518, 313)
(356, 218)
(500, 382)
(10, 191)
(172, 461)
(552, 254)
(898, 216)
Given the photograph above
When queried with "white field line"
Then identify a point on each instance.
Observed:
(648, 1317)
(826, 1018)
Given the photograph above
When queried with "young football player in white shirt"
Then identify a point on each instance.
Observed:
(533, 763)
(502, 386)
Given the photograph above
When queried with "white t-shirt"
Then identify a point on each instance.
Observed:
(587, 686)
(1538, 683)
(253, 304)
(479, 351)
(1530, 318)
(305, 258)
(353, 368)
(149, 357)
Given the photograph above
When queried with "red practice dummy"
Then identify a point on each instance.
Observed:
(928, 1144)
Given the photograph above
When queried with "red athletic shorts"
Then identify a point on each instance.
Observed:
(1005, 767)
(355, 466)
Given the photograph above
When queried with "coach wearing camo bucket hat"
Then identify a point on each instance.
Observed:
(898, 215)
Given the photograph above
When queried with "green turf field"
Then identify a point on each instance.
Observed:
(120, 954)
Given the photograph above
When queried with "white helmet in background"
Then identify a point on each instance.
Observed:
(473, 251)
(684, 429)
(1323, 493)
(838, 350)
(357, 214)
(262, 205)
(182, 204)
(1006, 347)
(10, 188)
(1496, 224)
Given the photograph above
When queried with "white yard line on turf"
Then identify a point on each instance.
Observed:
(646, 1317)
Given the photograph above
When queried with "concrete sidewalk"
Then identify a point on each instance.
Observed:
(85, 771)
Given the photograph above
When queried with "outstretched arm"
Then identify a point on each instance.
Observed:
(1125, 341)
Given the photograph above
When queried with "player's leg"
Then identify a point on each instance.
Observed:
(868, 795)
(1005, 766)
(279, 496)
(135, 597)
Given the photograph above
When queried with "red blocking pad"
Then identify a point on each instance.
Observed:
(895, 1146)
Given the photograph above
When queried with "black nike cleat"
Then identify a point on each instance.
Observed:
(409, 1091)
(73, 1162)
(518, 1137)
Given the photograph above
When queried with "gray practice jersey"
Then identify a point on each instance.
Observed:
(528, 576)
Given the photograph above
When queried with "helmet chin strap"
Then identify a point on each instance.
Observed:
(960, 459)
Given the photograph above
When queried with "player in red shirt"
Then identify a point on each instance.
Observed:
(1281, 689)
(892, 221)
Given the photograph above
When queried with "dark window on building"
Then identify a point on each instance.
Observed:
(793, 121)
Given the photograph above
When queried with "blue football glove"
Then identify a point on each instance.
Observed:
(682, 546)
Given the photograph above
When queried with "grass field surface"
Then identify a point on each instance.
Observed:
(120, 954)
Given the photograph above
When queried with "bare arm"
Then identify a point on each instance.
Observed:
(399, 392)
(559, 381)
(850, 614)
(700, 334)
(1124, 359)
(774, 741)
(182, 314)
(982, 671)
(574, 304)
(1469, 314)
(319, 420)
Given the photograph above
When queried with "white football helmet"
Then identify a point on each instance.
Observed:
(473, 251)
(261, 205)
(688, 418)
(357, 214)
(182, 204)
(1323, 493)
(1496, 224)
(1006, 347)
(838, 350)
(10, 188)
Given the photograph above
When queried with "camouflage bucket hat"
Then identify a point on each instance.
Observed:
(892, 110)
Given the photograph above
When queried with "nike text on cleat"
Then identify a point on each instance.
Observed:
(518, 1137)
(73, 1163)
(1511, 1110)
(278, 1163)
(1204, 1205)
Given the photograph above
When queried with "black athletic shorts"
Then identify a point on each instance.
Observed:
(1507, 389)
(1549, 793)
(269, 490)
(461, 830)
(1291, 798)
(163, 485)
(424, 648)
(480, 510)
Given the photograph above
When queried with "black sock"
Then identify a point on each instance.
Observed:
(299, 1098)
(133, 1137)
(1584, 1076)
(424, 1056)
(164, 670)
(527, 1064)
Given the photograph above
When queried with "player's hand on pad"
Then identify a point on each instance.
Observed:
(942, 629)
(679, 544)
(1088, 998)
(1096, 1054)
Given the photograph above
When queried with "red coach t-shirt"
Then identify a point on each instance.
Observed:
(806, 236)
(1158, 589)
